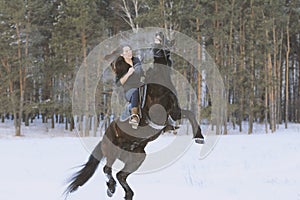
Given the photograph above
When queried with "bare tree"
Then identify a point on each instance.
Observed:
(130, 11)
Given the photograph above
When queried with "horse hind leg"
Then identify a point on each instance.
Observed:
(131, 165)
(122, 176)
(111, 183)
(111, 154)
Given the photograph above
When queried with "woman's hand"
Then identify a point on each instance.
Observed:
(156, 41)
(126, 76)
(130, 71)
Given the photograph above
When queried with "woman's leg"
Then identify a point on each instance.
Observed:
(134, 100)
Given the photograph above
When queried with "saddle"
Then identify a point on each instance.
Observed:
(125, 115)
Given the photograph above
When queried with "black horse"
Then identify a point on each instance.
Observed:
(122, 142)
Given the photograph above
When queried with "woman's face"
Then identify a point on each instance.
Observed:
(127, 52)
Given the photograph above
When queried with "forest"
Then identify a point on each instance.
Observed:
(255, 44)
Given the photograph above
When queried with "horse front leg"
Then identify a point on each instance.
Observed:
(197, 134)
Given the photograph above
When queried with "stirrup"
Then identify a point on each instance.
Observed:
(134, 124)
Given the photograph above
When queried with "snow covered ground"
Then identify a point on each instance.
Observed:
(259, 166)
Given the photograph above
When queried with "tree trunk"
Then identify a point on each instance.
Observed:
(287, 76)
(270, 93)
(199, 77)
(72, 123)
(66, 123)
(21, 99)
(26, 120)
(96, 122)
(298, 94)
(52, 121)
(269, 96)
(241, 78)
(292, 91)
(230, 66)
(280, 75)
(218, 56)
(273, 83)
(86, 118)
(251, 89)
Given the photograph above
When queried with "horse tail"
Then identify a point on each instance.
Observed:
(82, 176)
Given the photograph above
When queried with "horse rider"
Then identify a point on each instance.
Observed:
(129, 71)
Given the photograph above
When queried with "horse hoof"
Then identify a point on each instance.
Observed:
(199, 140)
(109, 193)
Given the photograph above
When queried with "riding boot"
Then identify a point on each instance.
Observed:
(134, 118)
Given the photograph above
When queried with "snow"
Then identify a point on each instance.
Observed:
(259, 166)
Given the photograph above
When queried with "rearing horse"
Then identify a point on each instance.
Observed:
(122, 142)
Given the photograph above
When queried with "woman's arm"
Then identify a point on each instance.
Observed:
(126, 76)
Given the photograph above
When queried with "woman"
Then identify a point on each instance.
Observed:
(129, 71)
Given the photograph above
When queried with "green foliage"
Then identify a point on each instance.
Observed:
(238, 34)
